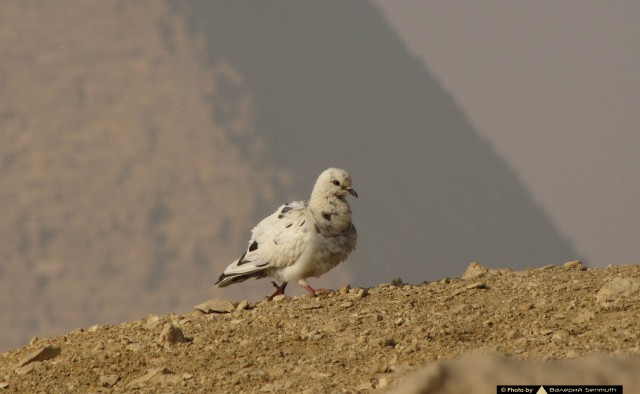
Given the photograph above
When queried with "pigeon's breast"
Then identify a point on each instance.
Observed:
(332, 250)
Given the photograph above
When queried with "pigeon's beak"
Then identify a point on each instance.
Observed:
(352, 192)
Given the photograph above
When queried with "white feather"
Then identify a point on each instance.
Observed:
(301, 239)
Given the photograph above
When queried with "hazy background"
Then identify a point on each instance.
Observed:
(140, 142)
(555, 87)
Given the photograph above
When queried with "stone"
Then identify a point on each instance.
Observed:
(44, 353)
(477, 285)
(108, 380)
(153, 375)
(244, 304)
(475, 270)
(94, 328)
(4, 385)
(361, 293)
(272, 387)
(526, 306)
(310, 306)
(216, 305)
(170, 335)
(576, 264)
(584, 316)
(99, 347)
(27, 369)
(279, 297)
(618, 288)
(33, 340)
(152, 322)
(560, 337)
(134, 347)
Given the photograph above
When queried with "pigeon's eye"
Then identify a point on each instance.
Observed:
(335, 182)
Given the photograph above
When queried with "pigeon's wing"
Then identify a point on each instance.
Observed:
(276, 242)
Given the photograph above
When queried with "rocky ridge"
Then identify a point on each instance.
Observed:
(354, 340)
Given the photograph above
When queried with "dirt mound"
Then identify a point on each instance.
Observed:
(353, 340)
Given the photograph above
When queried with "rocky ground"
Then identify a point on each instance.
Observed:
(355, 340)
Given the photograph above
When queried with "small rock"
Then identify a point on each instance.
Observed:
(364, 386)
(33, 340)
(244, 304)
(477, 285)
(44, 353)
(109, 380)
(171, 335)
(152, 375)
(134, 347)
(397, 282)
(187, 376)
(216, 305)
(362, 293)
(27, 369)
(310, 306)
(383, 383)
(279, 297)
(152, 322)
(4, 385)
(618, 288)
(560, 337)
(500, 271)
(474, 270)
(514, 334)
(272, 387)
(460, 308)
(584, 316)
(576, 264)
(526, 306)
(99, 347)
(457, 292)
(345, 289)
(94, 328)
(346, 305)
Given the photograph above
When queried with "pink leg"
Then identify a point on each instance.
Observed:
(279, 290)
(314, 292)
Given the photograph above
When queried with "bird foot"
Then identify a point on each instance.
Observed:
(279, 290)
(316, 292)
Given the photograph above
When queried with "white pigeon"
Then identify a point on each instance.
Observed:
(301, 239)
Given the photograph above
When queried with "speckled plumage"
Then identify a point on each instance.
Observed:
(302, 238)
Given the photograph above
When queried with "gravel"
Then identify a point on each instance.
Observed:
(353, 340)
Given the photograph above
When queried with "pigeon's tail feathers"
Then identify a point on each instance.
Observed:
(241, 270)
(225, 280)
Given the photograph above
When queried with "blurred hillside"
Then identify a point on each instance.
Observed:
(140, 141)
(119, 189)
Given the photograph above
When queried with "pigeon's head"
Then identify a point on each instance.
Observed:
(335, 181)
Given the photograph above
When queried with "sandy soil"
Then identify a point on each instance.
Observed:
(355, 340)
